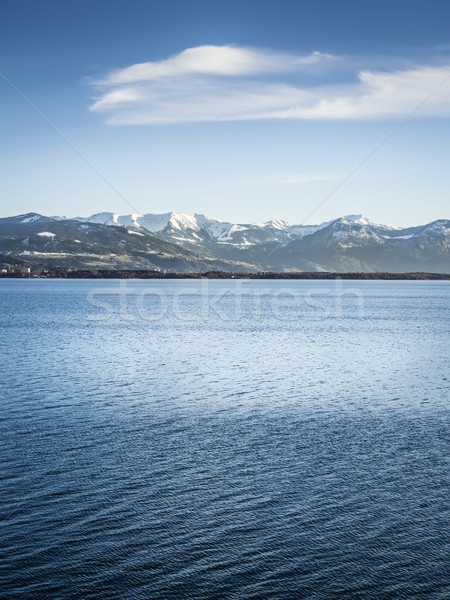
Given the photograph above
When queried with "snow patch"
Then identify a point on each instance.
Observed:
(398, 237)
(31, 219)
(47, 234)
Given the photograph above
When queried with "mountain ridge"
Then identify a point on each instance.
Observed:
(68, 243)
(196, 242)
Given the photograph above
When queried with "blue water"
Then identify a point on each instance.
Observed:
(224, 440)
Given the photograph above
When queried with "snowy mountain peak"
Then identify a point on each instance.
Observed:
(360, 219)
(276, 224)
(181, 221)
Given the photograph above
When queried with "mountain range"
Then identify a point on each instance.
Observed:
(184, 243)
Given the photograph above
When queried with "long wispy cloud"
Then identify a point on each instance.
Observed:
(225, 83)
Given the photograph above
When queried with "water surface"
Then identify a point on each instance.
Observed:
(192, 440)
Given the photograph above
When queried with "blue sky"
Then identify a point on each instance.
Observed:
(240, 110)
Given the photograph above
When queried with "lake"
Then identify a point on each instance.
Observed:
(193, 439)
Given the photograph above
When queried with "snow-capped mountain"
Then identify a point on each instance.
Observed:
(352, 242)
(195, 231)
(359, 245)
(175, 241)
(68, 243)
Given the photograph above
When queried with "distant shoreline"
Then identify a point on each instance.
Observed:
(140, 274)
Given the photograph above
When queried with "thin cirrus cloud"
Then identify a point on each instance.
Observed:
(226, 83)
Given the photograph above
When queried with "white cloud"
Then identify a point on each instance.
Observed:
(382, 94)
(213, 60)
(224, 83)
(118, 97)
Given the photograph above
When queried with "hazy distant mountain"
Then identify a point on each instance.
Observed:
(178, 242)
